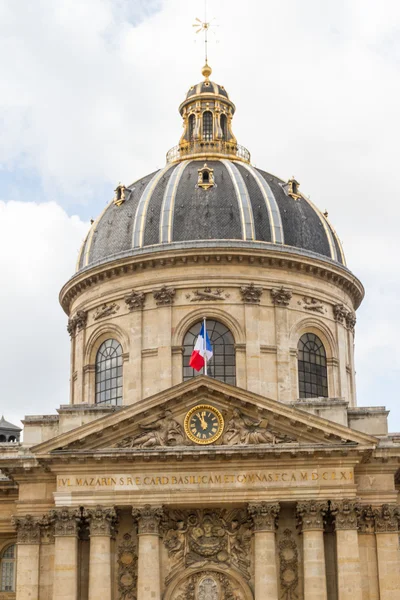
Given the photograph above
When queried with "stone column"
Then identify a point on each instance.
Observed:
(368, 557)
(66, 528)
(264, 517)
(312, 521)
(387, 547)
(281, 299)
(46, 557)
(101, 527)
(28, 540)
(348, 554)
(149, 577)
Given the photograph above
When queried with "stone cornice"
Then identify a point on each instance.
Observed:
(259, 254)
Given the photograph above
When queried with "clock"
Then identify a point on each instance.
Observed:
(204, 424)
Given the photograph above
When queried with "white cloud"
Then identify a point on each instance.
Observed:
(38, 251)
(89, 94)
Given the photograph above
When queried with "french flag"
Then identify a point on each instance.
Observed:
(202, 351)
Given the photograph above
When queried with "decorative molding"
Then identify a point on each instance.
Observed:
(28, 529)
(67, 521)
(251, 294)
(89, 368)
(268, 349)
(208, 295)
(150, 352)
(164, 431)
(101, 520)
(281, 296)
(311, 514)
(288, 566)
(340, 312)
(312, 305)
(148, 519)
(220, 536)
(47, 529)
(177, 349)
(240, 347)
(346, 513)
(164, 296)
(264, 515)
(127, 568)
(387, 518)
(199, 585)
(351, 320)
(105, 310)
(242, 430)
(135, 300)
(77, 322)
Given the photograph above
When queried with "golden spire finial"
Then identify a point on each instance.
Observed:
(205, 27)
(206, 71)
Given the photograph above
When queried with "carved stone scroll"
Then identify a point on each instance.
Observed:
(102, 521)
(148, 519)
(66, 521)
(106, 310)
(164, 431)
(281, 296)
(387, 518)
(77, 322)
(28, 529)
(251, 294)
(264, 515)
(311, 514)
(346, 513)
(243, 430)
(135, 300)
(288, 566)
(127, 568)
(164, 296)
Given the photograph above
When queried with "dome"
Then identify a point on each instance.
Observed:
(236, 204)
(207, 87)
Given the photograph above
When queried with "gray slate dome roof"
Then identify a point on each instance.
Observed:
(244, 207)
(207, 87)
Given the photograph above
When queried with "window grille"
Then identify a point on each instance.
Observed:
(7, 570)
(192, 119)
(207, 126)
(222, 365)
(109, 373)
(313, 374)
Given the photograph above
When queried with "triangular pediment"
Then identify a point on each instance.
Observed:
(249, 421)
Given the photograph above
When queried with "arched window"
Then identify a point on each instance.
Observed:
(224, 127)
(207, 126)
(313, 376)
(3, 438)
(192, 120)
(222, 364)
(7, 569)
(109, 373)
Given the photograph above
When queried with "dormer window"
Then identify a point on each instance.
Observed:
(119, 197)
(292, 188)
(207, 126)
(206, 177)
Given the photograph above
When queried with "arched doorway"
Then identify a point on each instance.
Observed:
(208, 584)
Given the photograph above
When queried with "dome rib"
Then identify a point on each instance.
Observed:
(243, 199)
(168, 204)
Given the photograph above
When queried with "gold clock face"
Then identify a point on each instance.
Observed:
(204, 424)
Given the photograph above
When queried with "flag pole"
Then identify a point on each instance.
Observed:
(205, 345)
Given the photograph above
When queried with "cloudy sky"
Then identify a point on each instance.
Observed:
(89, 92)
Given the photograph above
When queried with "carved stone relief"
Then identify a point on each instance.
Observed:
(281, 296)
(343, 314)
(164, 296)
(135, 300)
(351, 321)
(251, 294)
(209, 585)
(288, 566)
(28, 529)
(106, 310)
(148, 518)
(264, 515)
(102, 521)
(207, 294)
(243, 430)
(66, 521)
(346, 513)
(366, 520)
(195, 538)
(387, 518)
(312, 305)
(77, 322)
(311, 514)
(127, 568)
(164, 431)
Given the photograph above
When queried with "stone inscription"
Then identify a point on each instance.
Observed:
(263, 478)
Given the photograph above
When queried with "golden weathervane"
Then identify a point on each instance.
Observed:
(204, 26)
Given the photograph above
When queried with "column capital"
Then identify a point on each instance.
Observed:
(366, 520)
(387, 518)
(67, 521)
(102, 520)
(345, 513)
(148, 518)
(311, 514)
(264, 515)
(28, 529)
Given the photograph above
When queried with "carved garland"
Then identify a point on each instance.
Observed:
(127, 568)
(289, 566)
